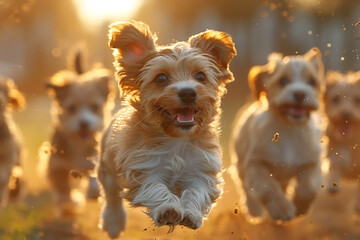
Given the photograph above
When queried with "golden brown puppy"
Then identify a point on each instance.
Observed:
(10, 141)
(342, 107)
(162, 150)
(79, 100)
(277, 138)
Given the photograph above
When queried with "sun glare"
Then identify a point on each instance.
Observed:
(97, 11)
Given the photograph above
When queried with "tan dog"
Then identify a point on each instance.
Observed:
(342, 107)
(79, 100)
(162, 150)
(277, 138)
(10, 141)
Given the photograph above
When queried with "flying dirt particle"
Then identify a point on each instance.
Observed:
(335, 184)
(276, 137)
(236, 210)
(75, 173)
(322, 185)
(145, 229)
(232, 232)
(357, 23)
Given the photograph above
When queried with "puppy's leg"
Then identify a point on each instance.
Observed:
(197, 198)
(59, 179)
(113, 219)
(259, 184)
(308, 184)
(339, 160)
(93, 191)
(164, 206)
(357, 200)
(4, 180)
(254, 208)
(334, 176)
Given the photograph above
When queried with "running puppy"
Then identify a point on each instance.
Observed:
(277, 138)
(79, 100)
(342, 107)
(162, 150)
(10, 141)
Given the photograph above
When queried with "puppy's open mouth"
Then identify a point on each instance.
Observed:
(183, 118)
(345, 129)
(84, 134)
(297, 112)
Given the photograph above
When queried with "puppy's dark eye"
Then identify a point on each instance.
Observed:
(161, 79)
(95, 107)
(200, 77)
(312, 82)
(336, 99)
(284, 81)
(357, 101)
(72, 108)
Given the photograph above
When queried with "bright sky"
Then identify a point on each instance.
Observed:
(97, 11)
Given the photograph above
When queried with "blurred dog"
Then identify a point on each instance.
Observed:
(10, 142)
(277, 138)
(342, 107)
(162, 150)
(79, 100)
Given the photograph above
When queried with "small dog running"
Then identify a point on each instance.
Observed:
(277, 138)
(10, 142)
(342, 107)
(162, 150)
(79, 99)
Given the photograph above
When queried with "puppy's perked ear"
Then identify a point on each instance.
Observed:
(16, 99)
(217, 44)
(104, 85)
(332, 77)
(314, 56)
(59, 84)
(131, 41)
(58, 92)
(256, 78)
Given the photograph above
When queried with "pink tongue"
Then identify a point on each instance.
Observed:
(185, 117)
(344, 130)
(297, 111)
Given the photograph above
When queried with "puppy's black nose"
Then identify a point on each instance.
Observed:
(346, 115)
(187, 95)
(84, 125)
(299, 96)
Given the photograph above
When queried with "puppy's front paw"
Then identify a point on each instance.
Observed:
(93, 191)
(334, 188)
(283, 210)
(170, 214)
(192, 219)
(113, 220)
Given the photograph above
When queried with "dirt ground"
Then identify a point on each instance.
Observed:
(331, 217)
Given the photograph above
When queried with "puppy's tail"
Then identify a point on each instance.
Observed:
(76, 59)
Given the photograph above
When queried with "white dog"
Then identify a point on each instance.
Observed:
(277, 138)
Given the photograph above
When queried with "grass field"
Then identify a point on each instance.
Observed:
(34, 217)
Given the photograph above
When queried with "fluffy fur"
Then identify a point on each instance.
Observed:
(342, 107)
(162, 150)
(10, 141)
(79, 100)
(277, 138)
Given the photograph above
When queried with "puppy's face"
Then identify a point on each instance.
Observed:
(80, 101)
(178, 87)
(291, 84)
(342, 103)
(10, 97)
